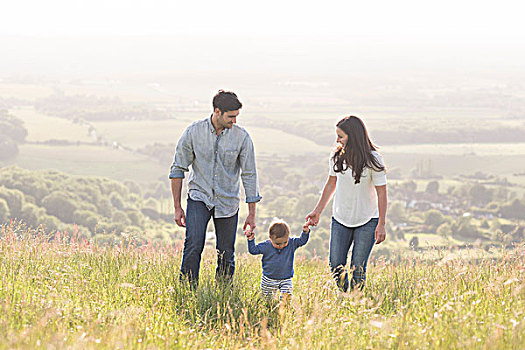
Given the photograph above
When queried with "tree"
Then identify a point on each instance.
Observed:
(116, 201)
(464, 229)
(12, 127)
(59, 205)
(133, 187)
(135, 217)
(12, 132)
(514, 210)
(120, 217)
(444, 229)
(434, 218)
(104, 207)
(306, 204)
(432, 187)
(14, 199)
(31, 214)
(409, 187)
(86, 218)
(5, 215)
(480, 195)
(397, 211)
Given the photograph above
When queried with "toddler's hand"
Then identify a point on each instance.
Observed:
(249, 234)
(307, 224)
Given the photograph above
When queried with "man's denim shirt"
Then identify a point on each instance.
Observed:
(216, 162)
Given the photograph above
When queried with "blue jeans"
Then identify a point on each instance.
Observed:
(197, 218)
(341, 237)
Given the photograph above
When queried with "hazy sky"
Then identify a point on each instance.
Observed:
(250, 36)
(414, 18)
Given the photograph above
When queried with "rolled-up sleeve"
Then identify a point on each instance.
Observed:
(184, 156)
(249, 171)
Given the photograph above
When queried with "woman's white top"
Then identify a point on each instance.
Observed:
(355, 204)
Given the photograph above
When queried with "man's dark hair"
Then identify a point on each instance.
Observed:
(279, 229)
(226, 101)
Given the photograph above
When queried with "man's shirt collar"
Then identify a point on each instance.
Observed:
(212, 128)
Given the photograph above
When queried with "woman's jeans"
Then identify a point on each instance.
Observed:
(197, 218)
(341, 238)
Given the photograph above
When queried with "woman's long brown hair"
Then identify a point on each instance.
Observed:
(357, 153)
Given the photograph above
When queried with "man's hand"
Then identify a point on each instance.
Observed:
(180, 217)
(380, 233)
(249, 234)
(250, 221)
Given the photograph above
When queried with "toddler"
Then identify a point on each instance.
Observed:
(277, 257)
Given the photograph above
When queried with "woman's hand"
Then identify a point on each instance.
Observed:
(313, 218)
(306, 226)
(380, 234)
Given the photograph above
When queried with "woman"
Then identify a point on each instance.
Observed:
(357, 176)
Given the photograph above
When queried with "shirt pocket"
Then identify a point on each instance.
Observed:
(229, 158)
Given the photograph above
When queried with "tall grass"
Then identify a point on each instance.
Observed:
(66, 292)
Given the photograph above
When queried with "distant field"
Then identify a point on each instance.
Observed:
(137, 134)
(448, 164)
(91, 161)
(24, 91)
(460, 149)
(447, 160)
(42, 127)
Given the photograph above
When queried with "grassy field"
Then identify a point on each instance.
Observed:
(69, 293)
(461, 149)
(137, 134)
(42, 127)
(90, 161)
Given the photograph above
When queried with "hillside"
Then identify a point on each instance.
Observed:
(70, 293)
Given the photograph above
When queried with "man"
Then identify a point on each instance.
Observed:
(220, 153)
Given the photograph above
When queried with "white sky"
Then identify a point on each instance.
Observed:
(415, 18)
(256, 35)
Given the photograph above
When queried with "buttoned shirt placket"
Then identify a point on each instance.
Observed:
(215, 162)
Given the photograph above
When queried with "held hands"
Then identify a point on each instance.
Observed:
(307, 224)
(249, 222)
(313, 218)
(249, 234)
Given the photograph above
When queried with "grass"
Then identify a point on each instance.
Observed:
(71, 293)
